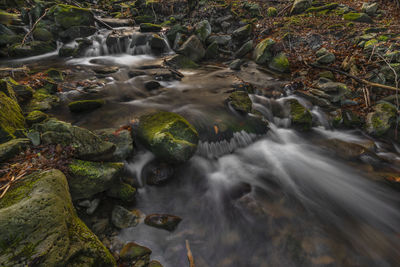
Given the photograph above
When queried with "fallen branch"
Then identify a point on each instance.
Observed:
(189, 254)
(33, 27)
(359, 80)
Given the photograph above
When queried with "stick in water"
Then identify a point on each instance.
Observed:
(189, 254)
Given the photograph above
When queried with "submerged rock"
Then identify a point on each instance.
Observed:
(135, 254)
(85, 105)
(89, 178)
(163, 221)
(168, 135)
(39, 225)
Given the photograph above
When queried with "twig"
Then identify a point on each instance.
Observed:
(189, 254)
(33, 27)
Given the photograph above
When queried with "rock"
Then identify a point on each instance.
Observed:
(324, 56)
(122, 191)
(349, 150)
(105, 69)
(222, 40)
(163, 221)
(168, 135)
(300, 116)
(157, 43)
(32, 48)
(42, 34)
(157, 173)
(193, 49)
(314, 99)
(42, 100)
(149, 27)
(13, 147)
(87, 145)
(38, 219)
(34, 136)
(181, 62)
(369, 8)
(358, 17)
(279, 63)
(67, 16)
(202, 30)
(154, 264)
(381, 119)
(212, 51)
(330, 87)
(244, 49)
(16, 91)
(11, 118)
(152, 85)
(272, 12)
(116, 23)
(240, 101)
(299, 6)
(122, 139)
(89, 178)
(123, 218)
(243, 33)
(236, 64)
(263, 52)
(93, 205)
(135, 73)
(173, 31)
(135, 254)
(85, 105)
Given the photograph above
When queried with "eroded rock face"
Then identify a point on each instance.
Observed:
(39, 226)
(168, 135)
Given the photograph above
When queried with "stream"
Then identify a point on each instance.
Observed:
(262, 198)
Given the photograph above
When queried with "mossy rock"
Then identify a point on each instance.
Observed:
(279, 63)
(144, 19)
(121, 139)
(171, 34)
(369, 45)
(240, 101)
(42, 34)
(89, 178)
(299, 6)
(381, 120)
(212, 51)
(55, 75)
(8, 18)
(122, 191)
(42, 100)
(358, 17)
(327, 7)
(150, 27)
(36, 117)
(16, 91)
(203, 30)
(182, 62)
(243, 33)
(30, 49)
(67, 16)
(39, 226)
(193, 49)
(13, 147)
(85, 105)
(300, 116)
(133, 252)
(168, 135)
(263, 51)
(11, 118)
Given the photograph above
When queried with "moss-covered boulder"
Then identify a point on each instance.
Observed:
(263, 52)
(122, 191)
(13, 147)
(89, 178)
(77, 32)
(42, 100)
(168, 135)
(30, 49)
(182, 62)
(86, 144)
(203, 30)
(193, 49)
(85, 105)
(279, 63)
(39, 226)
(300, 116)
(11, 118)
(150, 27)
(240, 101)
(379, 121)
(245, 49)
(16, 91)
(67, 16)
(122, 139)
(243, 33)
(358, 17)
(42, 34)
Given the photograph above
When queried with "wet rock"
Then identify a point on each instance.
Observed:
(157, 43)
(32, 48)
(42, 100)
(299, 6)
(279, 63)
(332, 87)
(358, 17)
(163, 221)
(300, 116)
(243, 33)
(240, 101)
(13, 147)
(76, 32)
(11, 118)
(89, 178)
(315, 100)
(381, 119)
(85, 105)
(67, 16)
(46, 222)
(173, 31)
(181, 62)
(105, 69)
(168, 135)
(135, 73)
(236, 64)
(212, 51)
(87, 145)
(193, 49)
(122, 191)
(222, 40)
(93, 205)
(122, 139)
(239, 190)
(19, 92)
(120, 37)
(155, 264)
(157, 173)
(244, 49)
(135, 254)
(152, 85)
(116, 23)
(41, 34)
(263, 52)
(123, 218)
(349, 150)
(202, 30)
(149, 27)
(165, 74)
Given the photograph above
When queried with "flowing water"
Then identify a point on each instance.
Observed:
(247, 198)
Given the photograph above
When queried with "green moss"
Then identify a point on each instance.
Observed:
(150, 27)
(280, 63)
(85, 105)
(144, 19)
(240, 101)
(68, 16)
(272, 12)
(301, 117)
(11, 118)
(383, 38)
(91, 170)
(36, 117)
(327, 7)
(358, 17)
(42, 34)
(369, 45)
(263, 51)
(122, 191)
(55, 75)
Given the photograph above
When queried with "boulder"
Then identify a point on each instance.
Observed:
(41, 34)
(244, 49)
(67, 16)
(324, 56)
(86, 144)
(122, 139)
(158, 43)
(222, 40)
(193, 49)
(122, 191)
(12, 148)
(263, 52)
(369, 8)
(39, 226)
(163, 221)
(36, 117)
(168, 135)
(299, 6)
(11, 118)
(358, 17)
(381, 119)
(300, 116)
(181, 62)
(42, 100)
(85, 105)
(240, 101)
(279, 63)
(149, 27)
(30, 49)
(202, 30)
(89, 178)
(243, 33)
(77, 32)
(123, 218)
(236, 64)
(212, 51)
